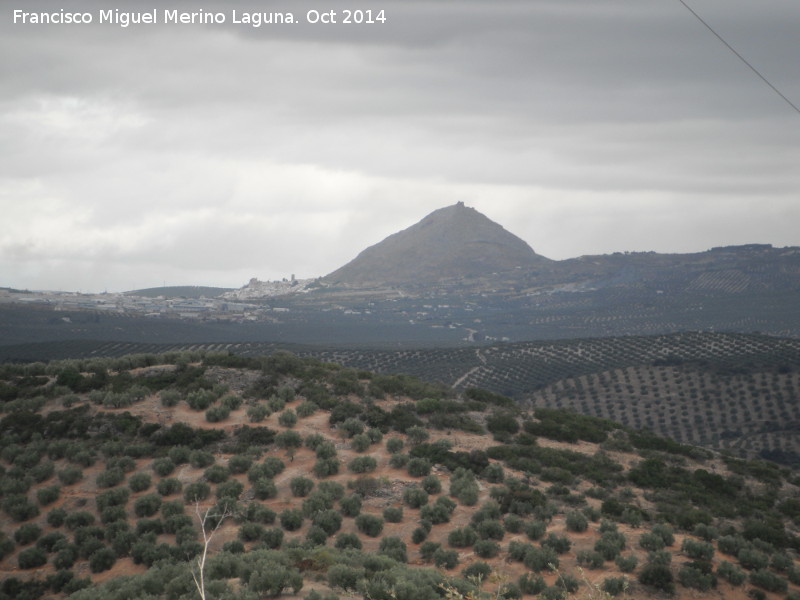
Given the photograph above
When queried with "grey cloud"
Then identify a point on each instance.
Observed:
(599, 114)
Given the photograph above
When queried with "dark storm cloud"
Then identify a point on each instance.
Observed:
(292, 147)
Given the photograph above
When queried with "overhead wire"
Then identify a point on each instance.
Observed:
(742, 58)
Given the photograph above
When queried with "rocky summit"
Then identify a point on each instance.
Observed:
(455, 241)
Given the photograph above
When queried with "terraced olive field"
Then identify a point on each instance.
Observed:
(728, 391)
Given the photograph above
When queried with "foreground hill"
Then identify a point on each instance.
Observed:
(328, 482)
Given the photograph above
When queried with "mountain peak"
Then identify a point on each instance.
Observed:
(454, 241)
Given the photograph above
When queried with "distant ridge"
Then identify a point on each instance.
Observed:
(180, 291)
(455, 241)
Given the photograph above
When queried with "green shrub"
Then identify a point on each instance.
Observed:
(169, 398)
(415, 497)
(614, 586)
(559, 543)
(76, 520)
(66, 557)
(110, 477)
(394, 445)
(493, 473)
(752, 559)
(251, 532)
(102, 559)
(306, 408)
(535, 529)
(427, 549)
(463, 486)
(258, 513)
(238, 464)
(330, 521)
(360, 442)
(436, 513)
(398, 460)
(394, 548)
(462, 537)
(665, 532)
(731, 573)
(351, 505)
(216, 474)
(49, 542)
(419, 535)
(362, 464)
(731, 544)
(200, 399)
(179, 454)
(347, 540)
(270, 579)
(217, 414)
(43, 471)
(692, 577)
(393, 514)
(272, 538)
(27, 533)
(431, 484)
(257, 412)
(70, 475)
(200, 459)
(291, 519)
(163, 467)
(264, 489)
(418, 467)
(576, 521)
(445, 559)
(115, 497)
(531, 584)
(658, 575)
(344, 576)
(139, 482)
(56, 517)
(325, 467)
(590, 559)
(567, 582)
(230, 489)
(697, 550)
(486, 548)
(301, 486)
(768, 580)
(31, 558)
(490, 529)
(196, 491)
(169, 486)
(287, 418)
(314, 441)
(48, 494)
(370, 525)
(651, 542)
(289, 440)
(540, 559)
(626, 563)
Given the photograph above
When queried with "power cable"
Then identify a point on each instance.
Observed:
(752, 68)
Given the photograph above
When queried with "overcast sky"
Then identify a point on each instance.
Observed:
(207, 155)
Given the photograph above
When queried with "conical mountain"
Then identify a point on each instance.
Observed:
(455, 241)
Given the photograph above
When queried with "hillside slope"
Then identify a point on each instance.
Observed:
(344, 482)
